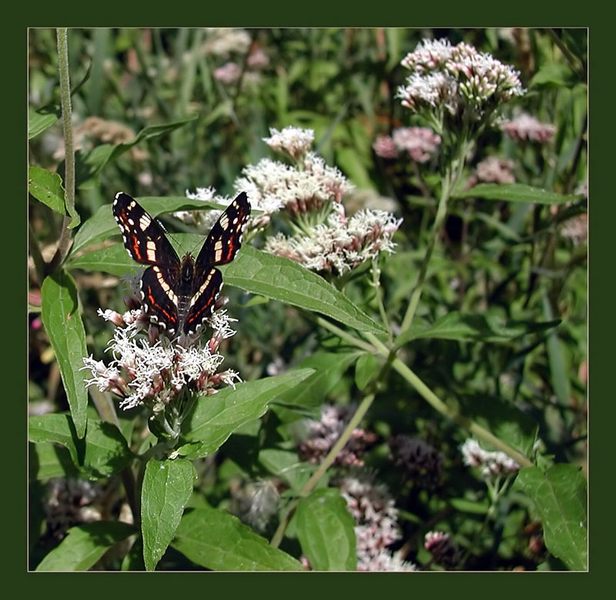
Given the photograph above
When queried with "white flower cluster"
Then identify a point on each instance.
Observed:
(294, 141)
(277, 186)
(525, 127)
(340, 244)
(224, 41)
(457, 77)
(376, 528)
(491, 464)
(309, 194)
(142, 371)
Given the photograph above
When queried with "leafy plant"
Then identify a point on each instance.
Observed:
(407, 312)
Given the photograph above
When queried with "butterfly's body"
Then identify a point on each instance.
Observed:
(179, 294)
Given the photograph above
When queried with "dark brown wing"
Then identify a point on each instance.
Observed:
(146, 242)
(225, 239)
(159, 300)
(144, 237)
(220, 248)
(203, 300)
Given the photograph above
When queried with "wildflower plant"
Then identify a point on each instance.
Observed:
(394, 379)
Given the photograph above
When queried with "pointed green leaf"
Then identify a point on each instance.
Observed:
(325, 529)
(329, 367)
(481, 328)
(219, 541)
(559, 495)
(62, 321)
(102, 453)
(106, 451)
(47, 188)
(167, 486)
(367, 368)
(216, 417)
(282, 279)
(559, 372)
(287, 466)
(112, 259)
(39, 122)
(84, 546)
(95, 161)
(55, 428)
(47, 460)
(514, 192)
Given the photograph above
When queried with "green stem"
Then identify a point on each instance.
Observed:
(441, 211)
(35, 253)
(328, 461)
(378, 290)
(344, 335)
(69, 150)
(452, 175)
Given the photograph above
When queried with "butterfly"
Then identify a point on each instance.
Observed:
(179, 295)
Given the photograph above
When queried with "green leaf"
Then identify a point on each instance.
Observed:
(282, 279)
(39, 121)
(47, 188)
(47, 460)
(113, 260)
(347, 160)
(84, 546)
(56, 428)
(329, 367)
(62, 320)
(481, 328)
(167, 486)
(559, 372)
(216, 417)
(103, 452)
(218, 541)
(106, 450)
(325, 529)
(514, 192)
(552, 75)
(287, 466)
(366, 369)
(95, 161)
(559, 495)
(101, 225)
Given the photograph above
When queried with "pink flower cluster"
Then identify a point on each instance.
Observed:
(376, 528)
(323, 434)
(420, 143)
(525, 127)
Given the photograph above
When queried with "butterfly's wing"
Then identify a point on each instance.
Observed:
(144, 237)
(203, 300)
(159, 300)
(225, 239)
(146, 242)
(220, 248)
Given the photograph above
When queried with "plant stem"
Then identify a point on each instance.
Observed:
(37, 257)
(64, 243)
(328, 461)
(344, 335)
(376, 283)
(441, 211)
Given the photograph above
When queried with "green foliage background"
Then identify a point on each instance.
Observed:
(501, 332)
